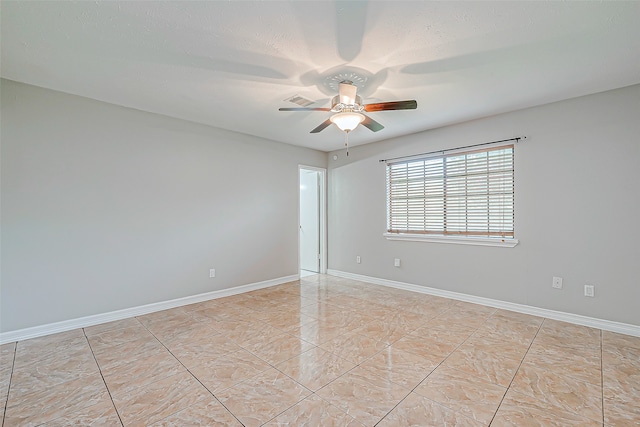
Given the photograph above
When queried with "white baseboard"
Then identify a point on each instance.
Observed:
(67, 325)
(83, 322)
(607, 325)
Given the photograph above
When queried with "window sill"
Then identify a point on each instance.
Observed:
(477, 241)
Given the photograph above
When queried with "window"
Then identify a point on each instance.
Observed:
(468, 195)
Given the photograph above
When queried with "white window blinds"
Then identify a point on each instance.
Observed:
(464, 194)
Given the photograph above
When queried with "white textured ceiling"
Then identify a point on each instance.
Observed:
(232, 64)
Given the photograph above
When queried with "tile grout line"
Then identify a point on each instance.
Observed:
(102, 376)
(432, 371)
(193, 376)
(444, 360)
(13, 366)
(539, 328)
(516, 371)
(563, 375)
(389, 345)
(453, 351)
(314, 393)
(357, 365)
(267, 362)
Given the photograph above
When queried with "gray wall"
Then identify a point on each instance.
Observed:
(105, 208)
(577, 210)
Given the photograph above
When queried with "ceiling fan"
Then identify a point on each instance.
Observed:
(349, 109)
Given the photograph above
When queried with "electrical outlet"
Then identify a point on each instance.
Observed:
(358, 259)
(557, 282)
(212, 272)
(396, 262)
(589, 290)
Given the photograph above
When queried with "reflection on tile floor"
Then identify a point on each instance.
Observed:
(324, 351)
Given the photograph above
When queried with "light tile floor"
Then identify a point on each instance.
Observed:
(324, 351)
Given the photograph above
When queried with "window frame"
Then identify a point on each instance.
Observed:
(467, 231)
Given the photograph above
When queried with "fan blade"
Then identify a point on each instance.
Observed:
(304, 109)
(322, 126)
(371, 124)
(348, 93)
(394, 105)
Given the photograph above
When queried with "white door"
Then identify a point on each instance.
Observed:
(310, 220)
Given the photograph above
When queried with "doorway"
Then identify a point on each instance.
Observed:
(312, 243)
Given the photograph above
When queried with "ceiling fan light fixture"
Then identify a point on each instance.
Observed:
(347, 120)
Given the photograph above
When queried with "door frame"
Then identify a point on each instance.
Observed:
(322, 217)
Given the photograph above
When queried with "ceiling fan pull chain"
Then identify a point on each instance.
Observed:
(346, 141)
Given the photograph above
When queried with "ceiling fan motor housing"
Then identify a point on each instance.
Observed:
(337, 106)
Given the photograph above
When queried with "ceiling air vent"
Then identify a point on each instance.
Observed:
(300, 100)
